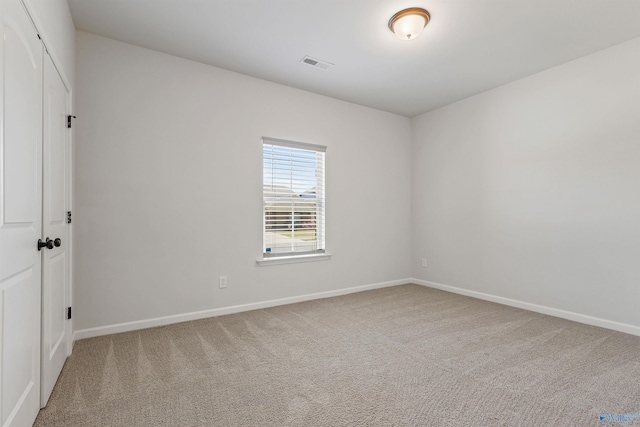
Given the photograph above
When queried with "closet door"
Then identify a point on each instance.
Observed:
(55, 260)
(20, 215)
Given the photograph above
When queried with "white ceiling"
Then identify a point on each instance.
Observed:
(468, 47)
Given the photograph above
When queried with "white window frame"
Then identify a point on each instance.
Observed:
(295, 255)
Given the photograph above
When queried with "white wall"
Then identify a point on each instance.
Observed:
(169, 181)
(531, 191)
(53, 19)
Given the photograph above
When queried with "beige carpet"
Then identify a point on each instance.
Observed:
(401, 356)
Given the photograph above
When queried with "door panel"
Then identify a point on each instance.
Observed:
(54, 324)
(18, 58)
(55, 334)
(20, 215)
(18, 292)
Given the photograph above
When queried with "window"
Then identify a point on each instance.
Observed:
(293, 198)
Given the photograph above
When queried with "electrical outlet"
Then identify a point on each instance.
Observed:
(424, 263)
(223, 282)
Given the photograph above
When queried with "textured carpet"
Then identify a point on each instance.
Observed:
(401, 356)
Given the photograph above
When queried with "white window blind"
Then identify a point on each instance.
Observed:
(293, 198)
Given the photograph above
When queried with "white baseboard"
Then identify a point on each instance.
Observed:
(185, 317)
(569, 315)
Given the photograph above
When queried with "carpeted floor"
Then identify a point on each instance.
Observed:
(400, 356)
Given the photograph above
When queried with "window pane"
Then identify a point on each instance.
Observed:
(293, 198)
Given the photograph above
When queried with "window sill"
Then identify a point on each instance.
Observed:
(263, 262)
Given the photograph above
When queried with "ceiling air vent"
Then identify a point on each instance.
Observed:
(317, 63)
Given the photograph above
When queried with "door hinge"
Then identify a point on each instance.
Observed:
(68, 313)
(69, 121)
(68, 217)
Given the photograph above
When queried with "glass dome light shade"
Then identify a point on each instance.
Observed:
(409, 23)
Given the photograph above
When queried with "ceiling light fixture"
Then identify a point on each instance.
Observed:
(409, 23)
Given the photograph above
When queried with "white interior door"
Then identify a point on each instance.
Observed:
(20, 215)
(55, 260)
